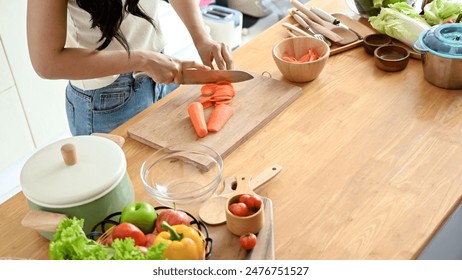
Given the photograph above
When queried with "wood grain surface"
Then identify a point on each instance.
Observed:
(371, 160)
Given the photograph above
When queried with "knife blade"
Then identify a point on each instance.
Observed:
(193, 76)
(330, 18)
(196, 77)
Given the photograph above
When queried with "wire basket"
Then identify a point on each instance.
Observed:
(103, 230)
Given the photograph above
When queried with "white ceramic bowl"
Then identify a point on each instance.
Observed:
(183, 174)
(296, 47)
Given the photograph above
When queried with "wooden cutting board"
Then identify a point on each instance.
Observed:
(256, 102)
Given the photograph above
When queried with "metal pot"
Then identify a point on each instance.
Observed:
(81, 176)
(441, 49)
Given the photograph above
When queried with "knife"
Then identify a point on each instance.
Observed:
(195, 76)
(329, 18)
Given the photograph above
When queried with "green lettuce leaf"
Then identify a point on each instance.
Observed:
(437, 11)
(400, 21)
(71, 243)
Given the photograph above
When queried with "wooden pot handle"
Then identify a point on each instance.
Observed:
(69, 153)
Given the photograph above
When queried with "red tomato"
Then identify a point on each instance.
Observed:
(244, 198)
(150, 237)
(128, 230)
(248, 241)
(239, 209)
(254, 202)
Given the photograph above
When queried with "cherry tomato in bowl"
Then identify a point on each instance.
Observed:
(239, 209)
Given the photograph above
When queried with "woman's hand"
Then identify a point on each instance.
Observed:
(164, 69)
(211, 51)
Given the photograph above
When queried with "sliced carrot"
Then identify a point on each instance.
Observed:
(314, 57)
(289, 58)
(219, 117)
(208, 104)
(227, 102)
(224, 83)
(305, 58)
(196, 115)
(208, 89)
(204, 99)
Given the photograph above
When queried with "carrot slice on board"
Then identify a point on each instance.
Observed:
(196, 115)
(219, 116)
(203, 99)
(224, 83)
(208, 89)
(207, 104)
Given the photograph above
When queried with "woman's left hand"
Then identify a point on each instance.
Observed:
(212, 51)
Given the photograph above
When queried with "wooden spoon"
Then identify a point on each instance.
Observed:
(212, 211)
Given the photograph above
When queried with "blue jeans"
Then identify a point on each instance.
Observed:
(104, 109)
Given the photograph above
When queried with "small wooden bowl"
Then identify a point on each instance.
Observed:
(296, 47)
(239, 225)
(391, 58)
(373, 41)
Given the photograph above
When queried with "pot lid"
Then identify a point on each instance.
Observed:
(444, 39)
(48, 181)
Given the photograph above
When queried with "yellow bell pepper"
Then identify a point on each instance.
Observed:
(183, 242)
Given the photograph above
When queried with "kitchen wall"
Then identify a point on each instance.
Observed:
(31, 109)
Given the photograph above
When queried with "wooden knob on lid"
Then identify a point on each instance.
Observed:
(69, 154)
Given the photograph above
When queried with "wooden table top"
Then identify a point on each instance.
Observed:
(370, 160)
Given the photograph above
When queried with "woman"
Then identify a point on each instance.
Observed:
(97, 45)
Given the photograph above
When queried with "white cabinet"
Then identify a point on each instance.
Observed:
(16, 140)
(32, 110)
(42, 100)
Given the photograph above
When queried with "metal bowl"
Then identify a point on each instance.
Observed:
(182, 175)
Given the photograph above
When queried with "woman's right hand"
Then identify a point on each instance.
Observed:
(165, 69)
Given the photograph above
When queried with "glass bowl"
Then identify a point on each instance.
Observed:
(182, 175)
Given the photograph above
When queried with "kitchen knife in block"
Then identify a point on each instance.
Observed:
(212, 211)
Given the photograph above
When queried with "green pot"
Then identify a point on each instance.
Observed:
(88, 182)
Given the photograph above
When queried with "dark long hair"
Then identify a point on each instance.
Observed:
(108, 15)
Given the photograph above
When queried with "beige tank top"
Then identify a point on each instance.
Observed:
(140, 35)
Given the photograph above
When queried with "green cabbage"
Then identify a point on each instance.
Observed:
(71, 243)
(437, 11)
(400, 21)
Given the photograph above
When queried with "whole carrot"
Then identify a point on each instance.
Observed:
(219, 116)
(196, 115)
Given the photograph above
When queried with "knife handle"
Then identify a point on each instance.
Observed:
(325, 15)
